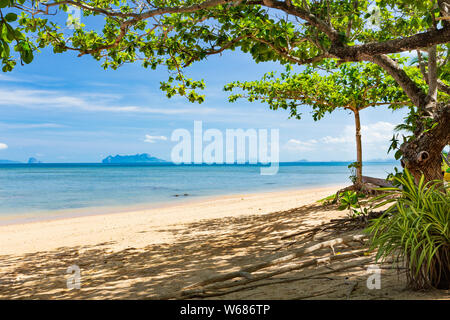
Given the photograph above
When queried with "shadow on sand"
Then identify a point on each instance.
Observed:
(201, 250)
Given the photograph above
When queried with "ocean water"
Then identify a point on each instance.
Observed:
(42, 189)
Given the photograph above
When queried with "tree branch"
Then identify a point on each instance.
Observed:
(416, 94)
(420, 40)
(289, 57)
(144, 15)
(220, 50)
(302, 14)
(441, 86)
(432, 73)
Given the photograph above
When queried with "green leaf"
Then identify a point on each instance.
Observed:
(26, 53)
(10, 17)
(4, 3)
(282, 42)
(7, 32)
(27, 57)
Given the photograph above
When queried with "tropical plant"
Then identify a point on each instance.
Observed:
(415, 230)
(445, 162)
(350, 200)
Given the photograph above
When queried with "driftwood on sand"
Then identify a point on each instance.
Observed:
(377, 182)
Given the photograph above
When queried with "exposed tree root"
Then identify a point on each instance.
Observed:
(203, 288)
(296, 254)
(254, 276)
(308, 232)
(208, 291)
(287, 280)
(340, 225)
(281, 263)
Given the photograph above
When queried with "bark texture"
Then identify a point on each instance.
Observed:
(358, 148)
(422, 155)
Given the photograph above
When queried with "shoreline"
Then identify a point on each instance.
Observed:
(51, 215)
(138, 228)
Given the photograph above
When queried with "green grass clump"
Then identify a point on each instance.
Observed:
(416, 230)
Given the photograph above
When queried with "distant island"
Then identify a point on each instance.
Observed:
(8, 161)
(33, 160)
(137, 158)
(30, 161)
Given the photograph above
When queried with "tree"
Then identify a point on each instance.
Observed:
(352, 87)
(176, 33)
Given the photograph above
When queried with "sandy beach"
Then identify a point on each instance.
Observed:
(154, 253)
(143, 227)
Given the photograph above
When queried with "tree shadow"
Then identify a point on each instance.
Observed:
(201, 249)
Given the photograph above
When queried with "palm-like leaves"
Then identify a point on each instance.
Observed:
(416, 230)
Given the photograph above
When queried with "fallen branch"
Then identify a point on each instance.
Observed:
(377, 181)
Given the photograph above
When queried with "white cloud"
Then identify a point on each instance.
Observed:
(153, 139)
(375, 139)
(7, 78)
(373, 133)
(30, 78)
(334, 140)
(29, 125)
(45, 99)
(3, 146)
(297, 145)
(377, 132)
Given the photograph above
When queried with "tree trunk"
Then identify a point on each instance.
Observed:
(358, 148)
(422, 155)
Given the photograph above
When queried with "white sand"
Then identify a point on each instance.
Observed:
(140, 228)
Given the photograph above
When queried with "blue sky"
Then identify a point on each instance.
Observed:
(62, 108)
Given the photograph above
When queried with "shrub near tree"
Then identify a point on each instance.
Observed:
(416, 230)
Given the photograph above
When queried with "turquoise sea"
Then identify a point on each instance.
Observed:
(35, 190)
